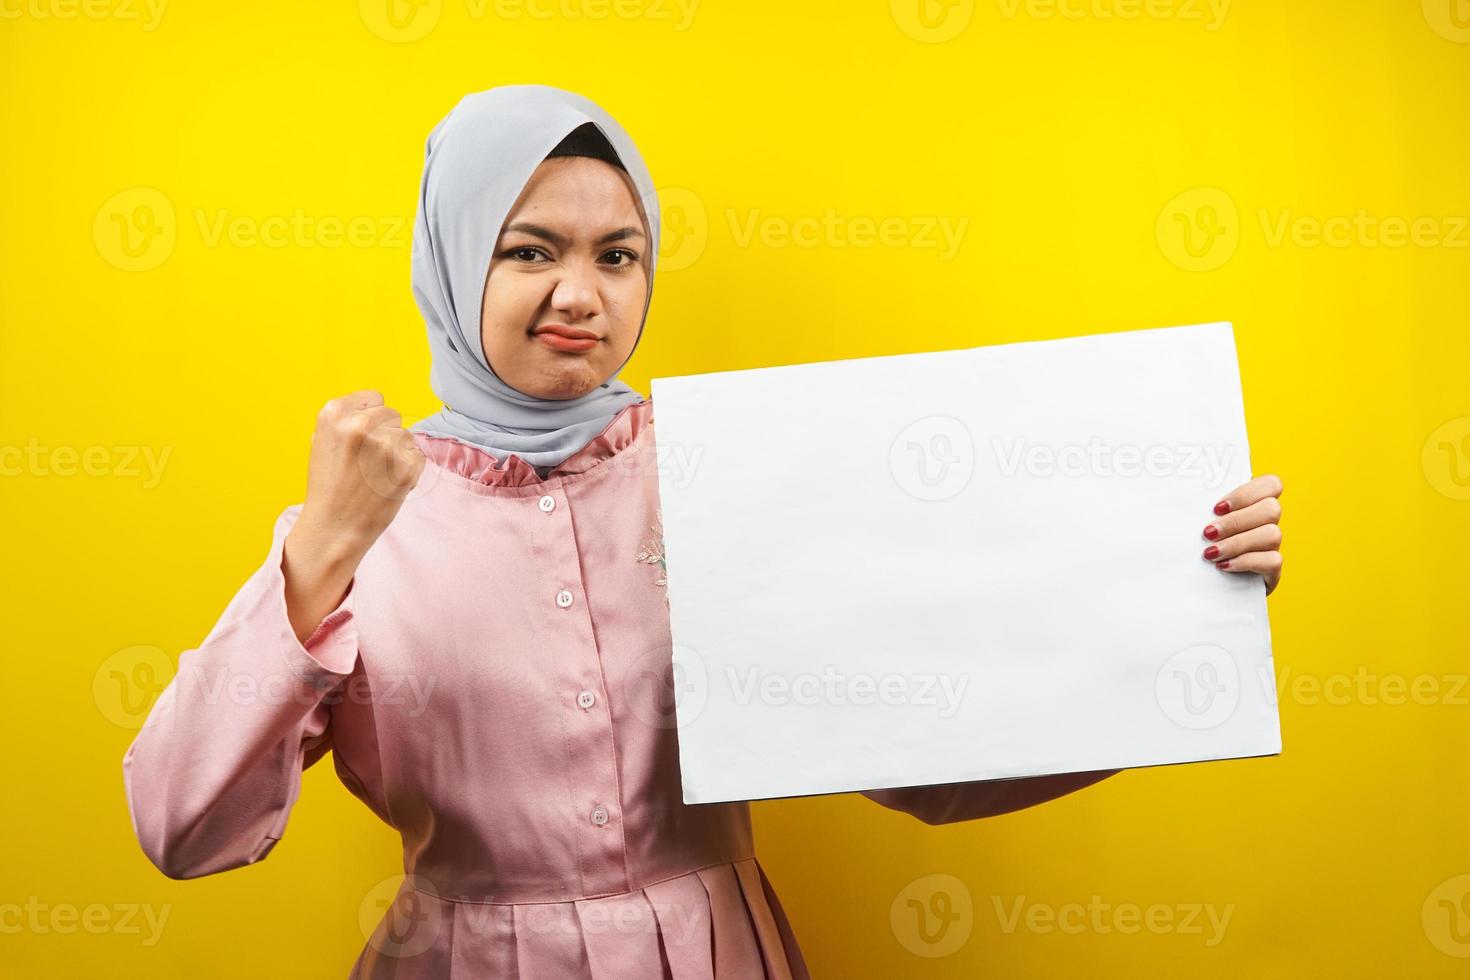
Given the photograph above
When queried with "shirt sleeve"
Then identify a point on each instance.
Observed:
(212, 775)
(955, 802)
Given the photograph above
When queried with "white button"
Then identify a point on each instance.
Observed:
(563, 598)
(586, 699)
(548, 504)
(599, 815)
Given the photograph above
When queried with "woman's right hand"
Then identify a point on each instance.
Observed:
(363, 466)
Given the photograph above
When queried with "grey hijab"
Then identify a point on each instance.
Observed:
(477, 162)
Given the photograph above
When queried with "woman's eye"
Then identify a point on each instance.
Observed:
(533, 253)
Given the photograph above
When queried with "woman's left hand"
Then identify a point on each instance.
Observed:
(1245, 535)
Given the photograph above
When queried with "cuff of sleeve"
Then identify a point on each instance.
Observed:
(332, 646)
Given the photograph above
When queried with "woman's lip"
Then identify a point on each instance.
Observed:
(576, 333)
(572, 344)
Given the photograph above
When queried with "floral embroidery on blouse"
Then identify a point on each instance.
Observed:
(652, 552)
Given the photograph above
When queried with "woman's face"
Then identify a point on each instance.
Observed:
(572, 257)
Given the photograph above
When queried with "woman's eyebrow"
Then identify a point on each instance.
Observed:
(561, 240)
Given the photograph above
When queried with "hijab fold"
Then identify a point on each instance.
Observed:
(476, 164)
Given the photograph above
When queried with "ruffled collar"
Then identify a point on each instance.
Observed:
(479, 466)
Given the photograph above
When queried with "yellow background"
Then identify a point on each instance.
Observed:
(1079, 142)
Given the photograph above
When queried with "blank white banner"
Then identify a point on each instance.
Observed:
(961, 565)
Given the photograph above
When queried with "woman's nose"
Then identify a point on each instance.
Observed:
(576, 292)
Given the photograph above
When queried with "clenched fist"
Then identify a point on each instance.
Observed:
(363, 466)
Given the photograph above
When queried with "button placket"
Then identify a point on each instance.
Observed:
(592, 751)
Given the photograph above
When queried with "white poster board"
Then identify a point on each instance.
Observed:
(961, 565)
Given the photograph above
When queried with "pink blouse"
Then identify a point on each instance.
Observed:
(496, 686)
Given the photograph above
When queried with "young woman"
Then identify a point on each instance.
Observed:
(470, 612)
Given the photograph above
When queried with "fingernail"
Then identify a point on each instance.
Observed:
(1222, 564)
(1212, 552)
(1222, 508)
(1211, 531)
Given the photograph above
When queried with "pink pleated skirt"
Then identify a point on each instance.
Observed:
(722, 922)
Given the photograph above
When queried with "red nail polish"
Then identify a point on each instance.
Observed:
(1222, 564)
(1212, 552)
(1211, 531)
(1222, 508)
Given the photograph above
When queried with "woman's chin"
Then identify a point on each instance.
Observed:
(562, 383)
